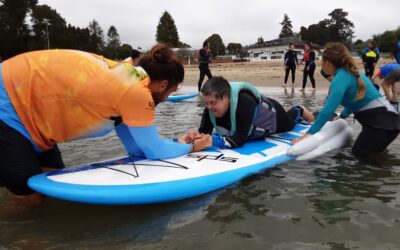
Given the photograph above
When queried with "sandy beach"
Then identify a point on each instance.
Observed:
(262, 74)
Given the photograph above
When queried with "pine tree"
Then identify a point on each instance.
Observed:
(286, 27)
(96, 37)
(14, 31)
(113, 42)
(216, 44)
(341, 28)
(49, 28)
(166, 30)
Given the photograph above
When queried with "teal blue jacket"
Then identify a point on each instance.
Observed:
(343, 91)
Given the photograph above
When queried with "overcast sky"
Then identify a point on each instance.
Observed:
(235, 21)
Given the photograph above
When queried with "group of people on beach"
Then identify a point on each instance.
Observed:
(291, 63)
(53, 96)
(370, 57)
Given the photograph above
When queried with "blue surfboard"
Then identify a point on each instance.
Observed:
(133, 180)
(174, 98)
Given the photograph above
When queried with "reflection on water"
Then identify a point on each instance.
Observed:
(332, 202)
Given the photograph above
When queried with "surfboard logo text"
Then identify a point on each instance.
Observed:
(213, 157)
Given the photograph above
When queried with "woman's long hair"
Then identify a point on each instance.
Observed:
(340, 57)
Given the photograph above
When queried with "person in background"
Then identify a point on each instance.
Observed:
(390, 73)
(239, 113)
(204, 63)
(370, 56)
(290, 64)
(47, 98)
(397, 52)
(134, 58)
(355, 92)
(309, 68)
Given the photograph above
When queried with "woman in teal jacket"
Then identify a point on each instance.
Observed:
(356, 93)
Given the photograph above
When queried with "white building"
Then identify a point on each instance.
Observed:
(276, 49)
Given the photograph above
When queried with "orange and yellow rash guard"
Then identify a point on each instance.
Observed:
(62, 95)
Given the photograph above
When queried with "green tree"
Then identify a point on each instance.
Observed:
(112, 44)
(320, 32)
(217, 46)
(124, 51)
(286, 27)
(166, 31)
(14, 32)
(46, 19)
(358, 46)
(340, 28)
(78, 38)
(234, 48)
(336, 29)
(397, 32)
(96, 40)
(386, 42)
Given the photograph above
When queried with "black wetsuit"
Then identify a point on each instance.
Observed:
(204, 61)
(291, 63)
(309, 69)
(379, 129)
(244, 118)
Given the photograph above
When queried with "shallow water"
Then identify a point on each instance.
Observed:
(332, 202)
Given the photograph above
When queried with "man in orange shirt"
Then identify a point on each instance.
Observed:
(55, 96)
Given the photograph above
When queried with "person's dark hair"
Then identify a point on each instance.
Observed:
(372, 43)
(290, 44)
(135, 54)
(205, 43)
(340, 57)
(216, 86)
(161, 63)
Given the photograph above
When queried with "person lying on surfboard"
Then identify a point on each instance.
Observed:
(239, 113)
(54, 96)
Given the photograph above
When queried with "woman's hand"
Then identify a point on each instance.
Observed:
(300, 138)
(202, 143)
(189, 137)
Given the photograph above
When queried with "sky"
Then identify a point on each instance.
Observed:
(235, 21)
